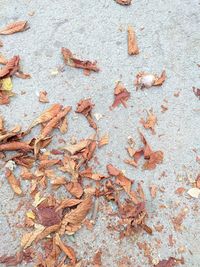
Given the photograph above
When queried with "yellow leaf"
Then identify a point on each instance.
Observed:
(30, 215)
(38, 199)
(6, 84)
(28, 238)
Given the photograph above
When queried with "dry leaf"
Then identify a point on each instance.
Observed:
(97, 259)
(112, 170)
(178, 220)
(72, 220)
(85, 107)
(71, 61)
(6, 84)
(171, 262)
(11, 67)
(155, 158)
(75, 189)
(14, 183)
(89, 174)
(150, 121)
(64, 126)
(194, 192)
(124, 182)
(124, 2)
(104, 140)
(43, 97)
(28, 238)
(47, 115)
(66, 249)
(46, 163)
(15, 146)
(121, 95)
(22, 75)
(53, 122)
(68, 203)
(73, 149)
(47, 231)
(18, 26)
(48, 216)
(132, 42)
(146, 80)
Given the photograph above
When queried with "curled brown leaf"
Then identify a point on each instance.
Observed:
(71, 61)
(11, 67)
(85, 107)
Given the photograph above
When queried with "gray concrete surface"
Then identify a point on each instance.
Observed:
(168, 37)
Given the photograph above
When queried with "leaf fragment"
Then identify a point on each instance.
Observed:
(11, 67)
(132, 42)
(43, 97)
(75, 189)
(71, 61)
(28, 238)
(104, 140)
(150, 121)
(85, 107)
(121, 95)
(18, 26)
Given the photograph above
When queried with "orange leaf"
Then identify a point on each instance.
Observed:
(66, 249)
(18, 26)
(75, 189)
(14, 183)
(132, 42)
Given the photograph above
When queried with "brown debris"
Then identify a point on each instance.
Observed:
(97, 259)
(11, 67)
(18, 258)
(85, 107)
(197, 182)
(121, 95)
(18, 26)
(43, 97)
(71, 61)
(124, 2)
(150, 122)
(132, 42)
(178, 220)
(171, 262)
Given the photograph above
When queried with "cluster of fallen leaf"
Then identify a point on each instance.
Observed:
(50, 220)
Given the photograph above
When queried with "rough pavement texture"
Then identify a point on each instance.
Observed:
(168, 38)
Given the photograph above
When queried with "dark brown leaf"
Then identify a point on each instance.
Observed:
(48, 216)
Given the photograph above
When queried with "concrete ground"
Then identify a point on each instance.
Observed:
(168, 37)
